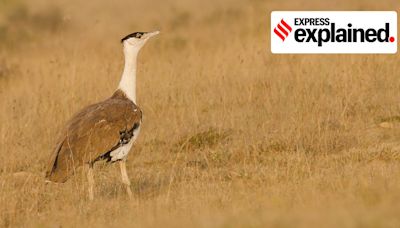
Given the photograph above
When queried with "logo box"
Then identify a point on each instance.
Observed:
(346, 32)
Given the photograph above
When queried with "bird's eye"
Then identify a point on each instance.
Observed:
(139, 34)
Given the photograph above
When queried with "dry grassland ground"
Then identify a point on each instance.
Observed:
(233, 136)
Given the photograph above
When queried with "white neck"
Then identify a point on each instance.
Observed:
(128, 79)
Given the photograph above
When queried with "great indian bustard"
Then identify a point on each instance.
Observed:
(103, 131)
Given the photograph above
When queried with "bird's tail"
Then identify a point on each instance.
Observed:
(56, 172)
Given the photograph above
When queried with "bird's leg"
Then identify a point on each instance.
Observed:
(125, 178)
(90, 180)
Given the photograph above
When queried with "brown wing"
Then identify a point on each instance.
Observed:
(90, 134)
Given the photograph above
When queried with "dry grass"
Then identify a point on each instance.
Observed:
(233, 136)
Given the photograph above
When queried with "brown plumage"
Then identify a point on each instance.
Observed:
(92, 134)
(103, 131)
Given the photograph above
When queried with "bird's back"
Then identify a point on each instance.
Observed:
(92, 133)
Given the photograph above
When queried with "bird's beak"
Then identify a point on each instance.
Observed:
(150, 34)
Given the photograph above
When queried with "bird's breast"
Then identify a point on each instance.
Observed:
(122, 152)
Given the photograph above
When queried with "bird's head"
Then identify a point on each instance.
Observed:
(134, 41)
